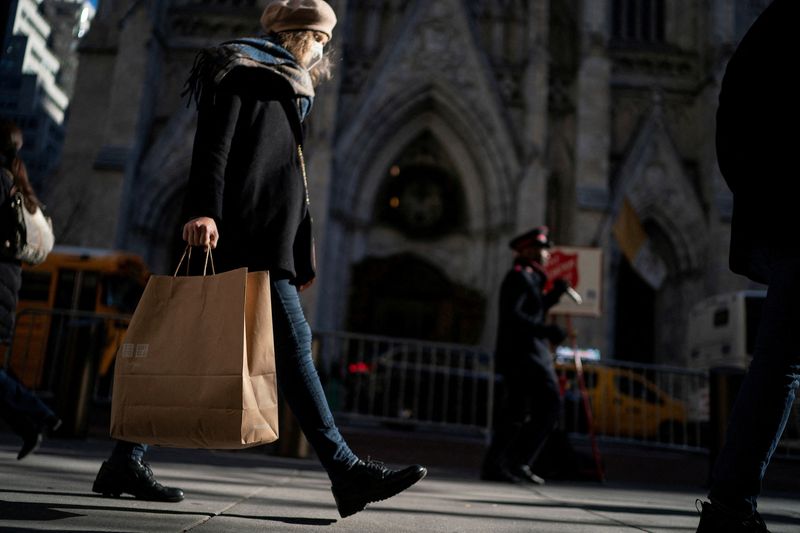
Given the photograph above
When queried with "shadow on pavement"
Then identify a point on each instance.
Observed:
(49, 493)
(38, 530)
(40, 512)
(286, 519)
(629, 509)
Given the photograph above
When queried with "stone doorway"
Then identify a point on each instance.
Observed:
(634, 336)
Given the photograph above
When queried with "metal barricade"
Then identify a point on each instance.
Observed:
(449, 387)
(658, 405)
(67, 357)
(407, 383)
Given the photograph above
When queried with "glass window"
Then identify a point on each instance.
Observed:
(638, 21)
(76, 290)
(121, 293)
(721, 317)
(35, 286)
(421, 201)
(637, 389)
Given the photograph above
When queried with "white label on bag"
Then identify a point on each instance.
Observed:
(126, 350)
(141, 350)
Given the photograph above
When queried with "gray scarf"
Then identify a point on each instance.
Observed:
(213, 64)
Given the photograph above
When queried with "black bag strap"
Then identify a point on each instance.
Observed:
(297, 129)
(294, 120)
(308, 274)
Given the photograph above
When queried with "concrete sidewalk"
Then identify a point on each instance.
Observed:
(250, 491)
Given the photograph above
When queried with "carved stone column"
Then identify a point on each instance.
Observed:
(532, 191)
(593, 124)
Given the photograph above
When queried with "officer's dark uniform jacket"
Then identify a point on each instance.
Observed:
(522, 330)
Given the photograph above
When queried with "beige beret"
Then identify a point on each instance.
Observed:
(293, 15)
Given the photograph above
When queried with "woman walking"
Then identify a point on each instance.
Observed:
(248, 199)
(24, 412)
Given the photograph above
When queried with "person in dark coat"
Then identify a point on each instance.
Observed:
(757, 141)
(248, 198)
(528, 401)
(24, 412)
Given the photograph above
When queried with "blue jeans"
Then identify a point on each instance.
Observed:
(299, 384)
(20, 407)
(765, 399)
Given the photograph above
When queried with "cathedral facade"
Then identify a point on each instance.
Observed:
(449, 127)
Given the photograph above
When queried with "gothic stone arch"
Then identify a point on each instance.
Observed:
(486, 176)
(654, 181)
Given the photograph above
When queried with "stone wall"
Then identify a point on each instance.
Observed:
(536, 108)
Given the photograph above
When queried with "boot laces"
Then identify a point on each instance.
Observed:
(377, 467)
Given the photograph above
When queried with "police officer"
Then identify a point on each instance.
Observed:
(527, 402)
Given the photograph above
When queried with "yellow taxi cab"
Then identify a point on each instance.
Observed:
(623, 403)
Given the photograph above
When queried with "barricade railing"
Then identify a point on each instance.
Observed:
(411, 383)
(66, 355)
(653, 404)
(449, 387)
(62, 354)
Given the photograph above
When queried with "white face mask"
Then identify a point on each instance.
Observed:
(317, 52)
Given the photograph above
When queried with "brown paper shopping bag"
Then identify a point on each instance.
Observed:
(197, 366)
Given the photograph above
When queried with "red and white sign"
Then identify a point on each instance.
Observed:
(562, 265)
(583, 269)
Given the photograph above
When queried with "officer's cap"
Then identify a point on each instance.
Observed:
(535, 237)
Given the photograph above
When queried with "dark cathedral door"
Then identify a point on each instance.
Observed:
(405, 296)
(635, 317)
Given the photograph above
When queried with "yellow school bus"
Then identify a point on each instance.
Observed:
(71, 279)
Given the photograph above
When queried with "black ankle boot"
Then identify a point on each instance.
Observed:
(30, 442)
(133, 477)
(371, 481)
(33, 433)
(718, 518)
(524, 473)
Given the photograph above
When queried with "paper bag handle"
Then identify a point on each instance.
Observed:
(188, 250)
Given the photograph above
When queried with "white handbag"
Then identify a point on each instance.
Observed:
(39, 238)
(28, 236)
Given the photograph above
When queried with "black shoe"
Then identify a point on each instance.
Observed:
(30, 442)
(524, 473)
(371, 481)
(718, 518)
(33, 434)
(133, 477)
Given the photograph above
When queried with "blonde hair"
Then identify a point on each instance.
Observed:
(299, 44)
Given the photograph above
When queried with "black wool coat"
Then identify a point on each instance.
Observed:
(245, 174)
(522, 330)
(757, 140)
(10, 276)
